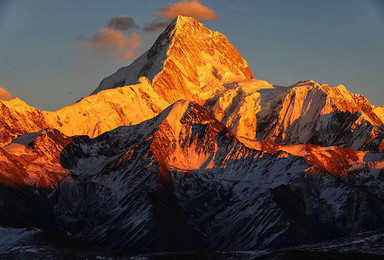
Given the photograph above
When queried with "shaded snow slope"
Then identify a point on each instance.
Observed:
(183, 181)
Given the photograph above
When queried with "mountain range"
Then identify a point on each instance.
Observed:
(185, 150)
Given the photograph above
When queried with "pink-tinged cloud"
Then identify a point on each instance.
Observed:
(5, 94)
(113, 44)
(188, 8)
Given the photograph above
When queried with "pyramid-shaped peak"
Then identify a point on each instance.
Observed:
(187, 61)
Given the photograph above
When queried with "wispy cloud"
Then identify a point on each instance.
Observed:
(187, 8)
(112, 43)
(5, 94)
(122, 23)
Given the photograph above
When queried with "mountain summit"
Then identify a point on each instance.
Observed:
(187, 61)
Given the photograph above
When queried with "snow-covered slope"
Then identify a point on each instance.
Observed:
(311, 113)
(95, 114)
(90, 116)
(302, 113)
(238, 104)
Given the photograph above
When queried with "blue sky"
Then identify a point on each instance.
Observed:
(329, 41)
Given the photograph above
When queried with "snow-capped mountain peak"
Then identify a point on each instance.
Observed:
(187, 61)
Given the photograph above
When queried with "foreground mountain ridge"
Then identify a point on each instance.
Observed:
(183, 181)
